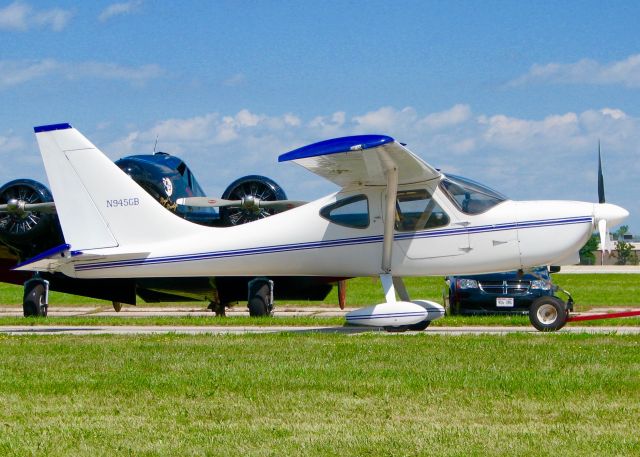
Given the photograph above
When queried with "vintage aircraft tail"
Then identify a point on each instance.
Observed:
(100, 206)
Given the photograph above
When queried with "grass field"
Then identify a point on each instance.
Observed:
(543, 395)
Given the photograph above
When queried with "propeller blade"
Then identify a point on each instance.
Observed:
(601, 198)
(280, 204)
(604, 236)
(206, 202)
(20, 207)
(46, 207)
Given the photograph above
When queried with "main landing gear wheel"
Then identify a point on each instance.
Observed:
(117, 306)
(34, 303)
(548, 314)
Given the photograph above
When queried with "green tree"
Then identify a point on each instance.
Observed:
(624, 252)
(586, 253)
(619, 234)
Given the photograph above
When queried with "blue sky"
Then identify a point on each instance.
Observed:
(511, 94)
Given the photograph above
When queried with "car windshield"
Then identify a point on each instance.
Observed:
(469, 196)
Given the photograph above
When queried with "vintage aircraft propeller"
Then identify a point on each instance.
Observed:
(248, 202)
(21, 208)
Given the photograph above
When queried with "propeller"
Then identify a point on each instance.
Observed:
(600, 178)
(21, 208)
(605, 214)
(248, 202)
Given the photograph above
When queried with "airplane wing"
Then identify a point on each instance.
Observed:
(361, 159)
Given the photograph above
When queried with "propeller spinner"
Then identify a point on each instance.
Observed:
(22, 208)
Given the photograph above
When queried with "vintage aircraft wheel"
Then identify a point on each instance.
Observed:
(548, 314)
(259, 303)
(33, 303)
(258, 307)
(117, 306)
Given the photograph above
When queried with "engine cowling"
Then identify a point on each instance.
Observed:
(28, 232)
(255, 186)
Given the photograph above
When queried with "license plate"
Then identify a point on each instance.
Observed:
(504, 302)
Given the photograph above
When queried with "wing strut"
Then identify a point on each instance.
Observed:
(391, 173)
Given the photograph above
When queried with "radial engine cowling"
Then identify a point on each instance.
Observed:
(28, 232)
(248, 188)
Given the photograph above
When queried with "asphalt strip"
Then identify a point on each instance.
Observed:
(241, 330)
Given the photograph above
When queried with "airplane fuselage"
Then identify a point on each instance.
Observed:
(303, 241)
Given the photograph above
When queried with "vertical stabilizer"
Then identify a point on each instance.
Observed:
(99, 206)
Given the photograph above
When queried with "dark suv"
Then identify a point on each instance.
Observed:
(499, 293)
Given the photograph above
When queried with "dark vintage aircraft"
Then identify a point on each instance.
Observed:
(29, 225)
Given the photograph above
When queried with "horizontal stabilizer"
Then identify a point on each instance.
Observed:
(61, 258)
(49, 260)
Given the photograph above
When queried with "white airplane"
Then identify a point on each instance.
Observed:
(394, 216)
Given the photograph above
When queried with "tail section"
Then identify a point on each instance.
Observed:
(99, 206)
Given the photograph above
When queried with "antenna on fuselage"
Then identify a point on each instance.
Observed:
(155, 144)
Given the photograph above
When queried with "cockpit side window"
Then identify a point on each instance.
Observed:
(417, 210)
(469, 196)
(350, 212)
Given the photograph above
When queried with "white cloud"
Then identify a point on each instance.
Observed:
(119, 9)
(235, 80)
(20, 16)
(586, 71)
(385, 119)
(456, 115)
(16, 72)
(10, 144)
(549, 158)
(515, 155)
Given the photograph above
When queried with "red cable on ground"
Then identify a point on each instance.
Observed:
(592, 317)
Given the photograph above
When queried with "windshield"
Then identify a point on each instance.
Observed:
(469, 196)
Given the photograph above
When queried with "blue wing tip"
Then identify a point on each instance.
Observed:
(51, 127)
(336, 145)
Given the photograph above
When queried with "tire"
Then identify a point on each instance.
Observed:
(259, 298)
(419, 326)
(548, 314)
(258, 307)
(399, 329)
(33, 304)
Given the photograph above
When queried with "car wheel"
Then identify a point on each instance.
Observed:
(548, 314)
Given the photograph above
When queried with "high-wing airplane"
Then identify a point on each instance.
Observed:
(394, 216)
(29, 225)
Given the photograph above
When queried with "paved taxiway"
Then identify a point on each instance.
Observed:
(147, 311)
(224, 330)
